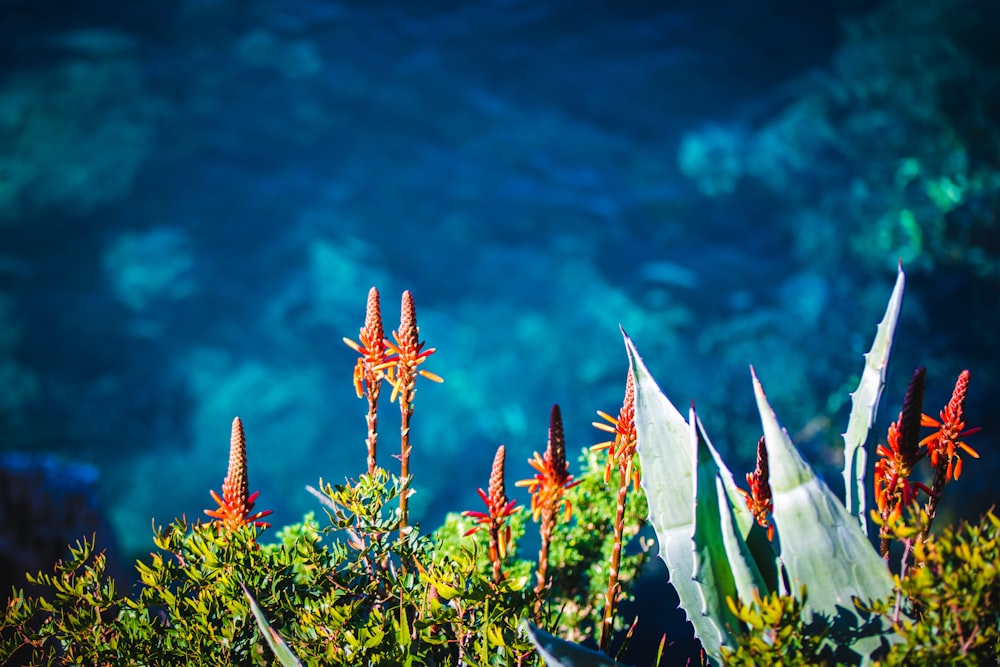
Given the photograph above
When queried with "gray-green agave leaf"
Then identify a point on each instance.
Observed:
(560, 653)
(864, 406)
(667, 449)
(821, 544)
(667, 460)
(723, 564)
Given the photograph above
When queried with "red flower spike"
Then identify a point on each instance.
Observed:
(893, 488)
(408, 351)
(498, 509)
(910, 418)
(759, 500)
(621, 454)
(621, 450)
(549, 485)
(369, 370)
(943, 446)
(236, 504)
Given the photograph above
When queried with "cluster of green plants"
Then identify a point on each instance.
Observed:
(780, 573)
(363, 585)
(350, 592)
(945, 610)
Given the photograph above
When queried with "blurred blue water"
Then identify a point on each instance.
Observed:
(198, 196)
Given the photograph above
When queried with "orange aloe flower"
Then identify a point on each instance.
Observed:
(548, 487)
(621, 450)
(621, 453)
(371, 345)
(408, 351)
(893, 488)
(498, 509)
(369, 371)
(402, 375)
(946, 441)
(759, 500)
(236, 504)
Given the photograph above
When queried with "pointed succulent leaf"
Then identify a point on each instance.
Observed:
(668, 467)
(560, 653)
(738, 506)
(281, 651)
(754, 536)
(864, 405)
(822, 546)
(723, 564)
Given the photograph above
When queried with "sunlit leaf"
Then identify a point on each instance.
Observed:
(281, 651)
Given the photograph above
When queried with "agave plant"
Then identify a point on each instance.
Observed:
(716, 550)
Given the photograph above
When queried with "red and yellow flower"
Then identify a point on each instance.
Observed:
(621, 449)
(758, 499)
(371, 346)
(944, 444)
(549, 485)
(408, 352)
(498, 510)
(236, 503)
(893, 487)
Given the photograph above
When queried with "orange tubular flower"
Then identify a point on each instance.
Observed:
(893, 488)
(548, 487)
(759, 500)
(621, 453)
(408, 351)
(548, 495)
(236, 504)
(409, 354)
(621, 450)
(943, 445)
(498, 509)
(368, 372)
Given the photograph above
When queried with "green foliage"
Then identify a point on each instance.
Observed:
(776, 632)
(953, 593)
(946, 609)
(579, 558)
(274, 640)
(350, 593)
(76, 621)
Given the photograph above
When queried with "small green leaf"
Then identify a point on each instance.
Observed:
(444, 590)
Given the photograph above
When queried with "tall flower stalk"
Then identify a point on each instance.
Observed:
(621, 452)
(409, 353)
(944, 444)
(369, 371)
(235, 506)
(498, 510)
(548, 494)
